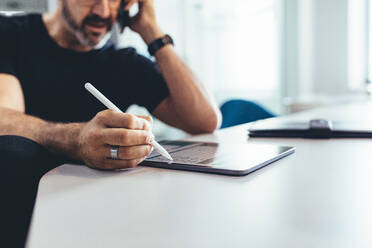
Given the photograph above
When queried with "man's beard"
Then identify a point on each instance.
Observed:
(80, 30)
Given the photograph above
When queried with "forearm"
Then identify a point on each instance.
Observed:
(58, 138)
(188, 95)
(183, 85)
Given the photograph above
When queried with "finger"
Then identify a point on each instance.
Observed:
(126, 137)
(114, 119)
(110, 164)
(141, 160)
(131, 152)
(147, 118)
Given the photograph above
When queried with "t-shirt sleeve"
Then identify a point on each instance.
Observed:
(8, 46)
(148, 83)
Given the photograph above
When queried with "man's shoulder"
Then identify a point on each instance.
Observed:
(128, 54)
(126, 59)
(131, 56)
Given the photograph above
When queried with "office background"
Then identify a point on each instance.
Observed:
(287, 55)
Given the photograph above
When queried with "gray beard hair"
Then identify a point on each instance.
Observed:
(79, 31)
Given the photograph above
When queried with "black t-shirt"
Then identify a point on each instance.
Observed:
(53, 78)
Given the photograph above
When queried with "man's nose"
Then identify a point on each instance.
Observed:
(102, 8)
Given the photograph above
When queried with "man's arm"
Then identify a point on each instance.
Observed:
(88, 142)
(189, 106)
(11, 95)
(14, 121)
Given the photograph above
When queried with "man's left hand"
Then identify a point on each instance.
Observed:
(144, 22)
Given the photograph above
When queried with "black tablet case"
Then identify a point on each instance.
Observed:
(316, 129)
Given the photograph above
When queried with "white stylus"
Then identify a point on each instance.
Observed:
(112, 106)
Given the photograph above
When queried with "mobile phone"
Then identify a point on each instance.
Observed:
(123, 17)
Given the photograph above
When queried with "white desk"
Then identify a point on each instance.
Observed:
(319, 197)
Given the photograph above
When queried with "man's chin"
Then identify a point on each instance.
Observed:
(94, 38)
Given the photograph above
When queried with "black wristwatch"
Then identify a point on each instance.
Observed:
(159, 43)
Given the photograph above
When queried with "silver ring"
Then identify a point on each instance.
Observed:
(114, 150)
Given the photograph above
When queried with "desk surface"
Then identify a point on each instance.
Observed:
(318, 197)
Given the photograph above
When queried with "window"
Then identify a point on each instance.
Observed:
(358, 44)
(231, 45)
(234, 46)
(369, 41)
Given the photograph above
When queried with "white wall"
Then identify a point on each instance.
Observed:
(369, 40)
(358, 42)
(52, 5)
(324, 47)
(289, 42)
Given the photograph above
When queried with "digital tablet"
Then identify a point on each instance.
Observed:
(217, 158)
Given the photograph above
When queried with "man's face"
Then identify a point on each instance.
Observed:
(90, 20)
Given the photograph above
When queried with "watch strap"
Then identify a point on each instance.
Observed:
(157, 44)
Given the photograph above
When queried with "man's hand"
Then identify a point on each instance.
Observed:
(144, 22)
(108, 128)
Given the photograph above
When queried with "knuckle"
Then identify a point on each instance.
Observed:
(146, 121)
(150, 119)
(131, 121)
(147, 125)
(101, 116)
(148, 137)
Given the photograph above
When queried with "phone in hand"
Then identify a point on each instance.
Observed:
(123, 17)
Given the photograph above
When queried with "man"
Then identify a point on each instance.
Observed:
(45, 61)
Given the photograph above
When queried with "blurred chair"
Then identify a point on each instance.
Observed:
(235, 112)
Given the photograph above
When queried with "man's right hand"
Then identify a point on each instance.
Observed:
(108, 128)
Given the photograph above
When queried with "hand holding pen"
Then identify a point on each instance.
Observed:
(116, 140)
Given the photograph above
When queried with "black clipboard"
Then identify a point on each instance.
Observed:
(316, 129)
(217, 158)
